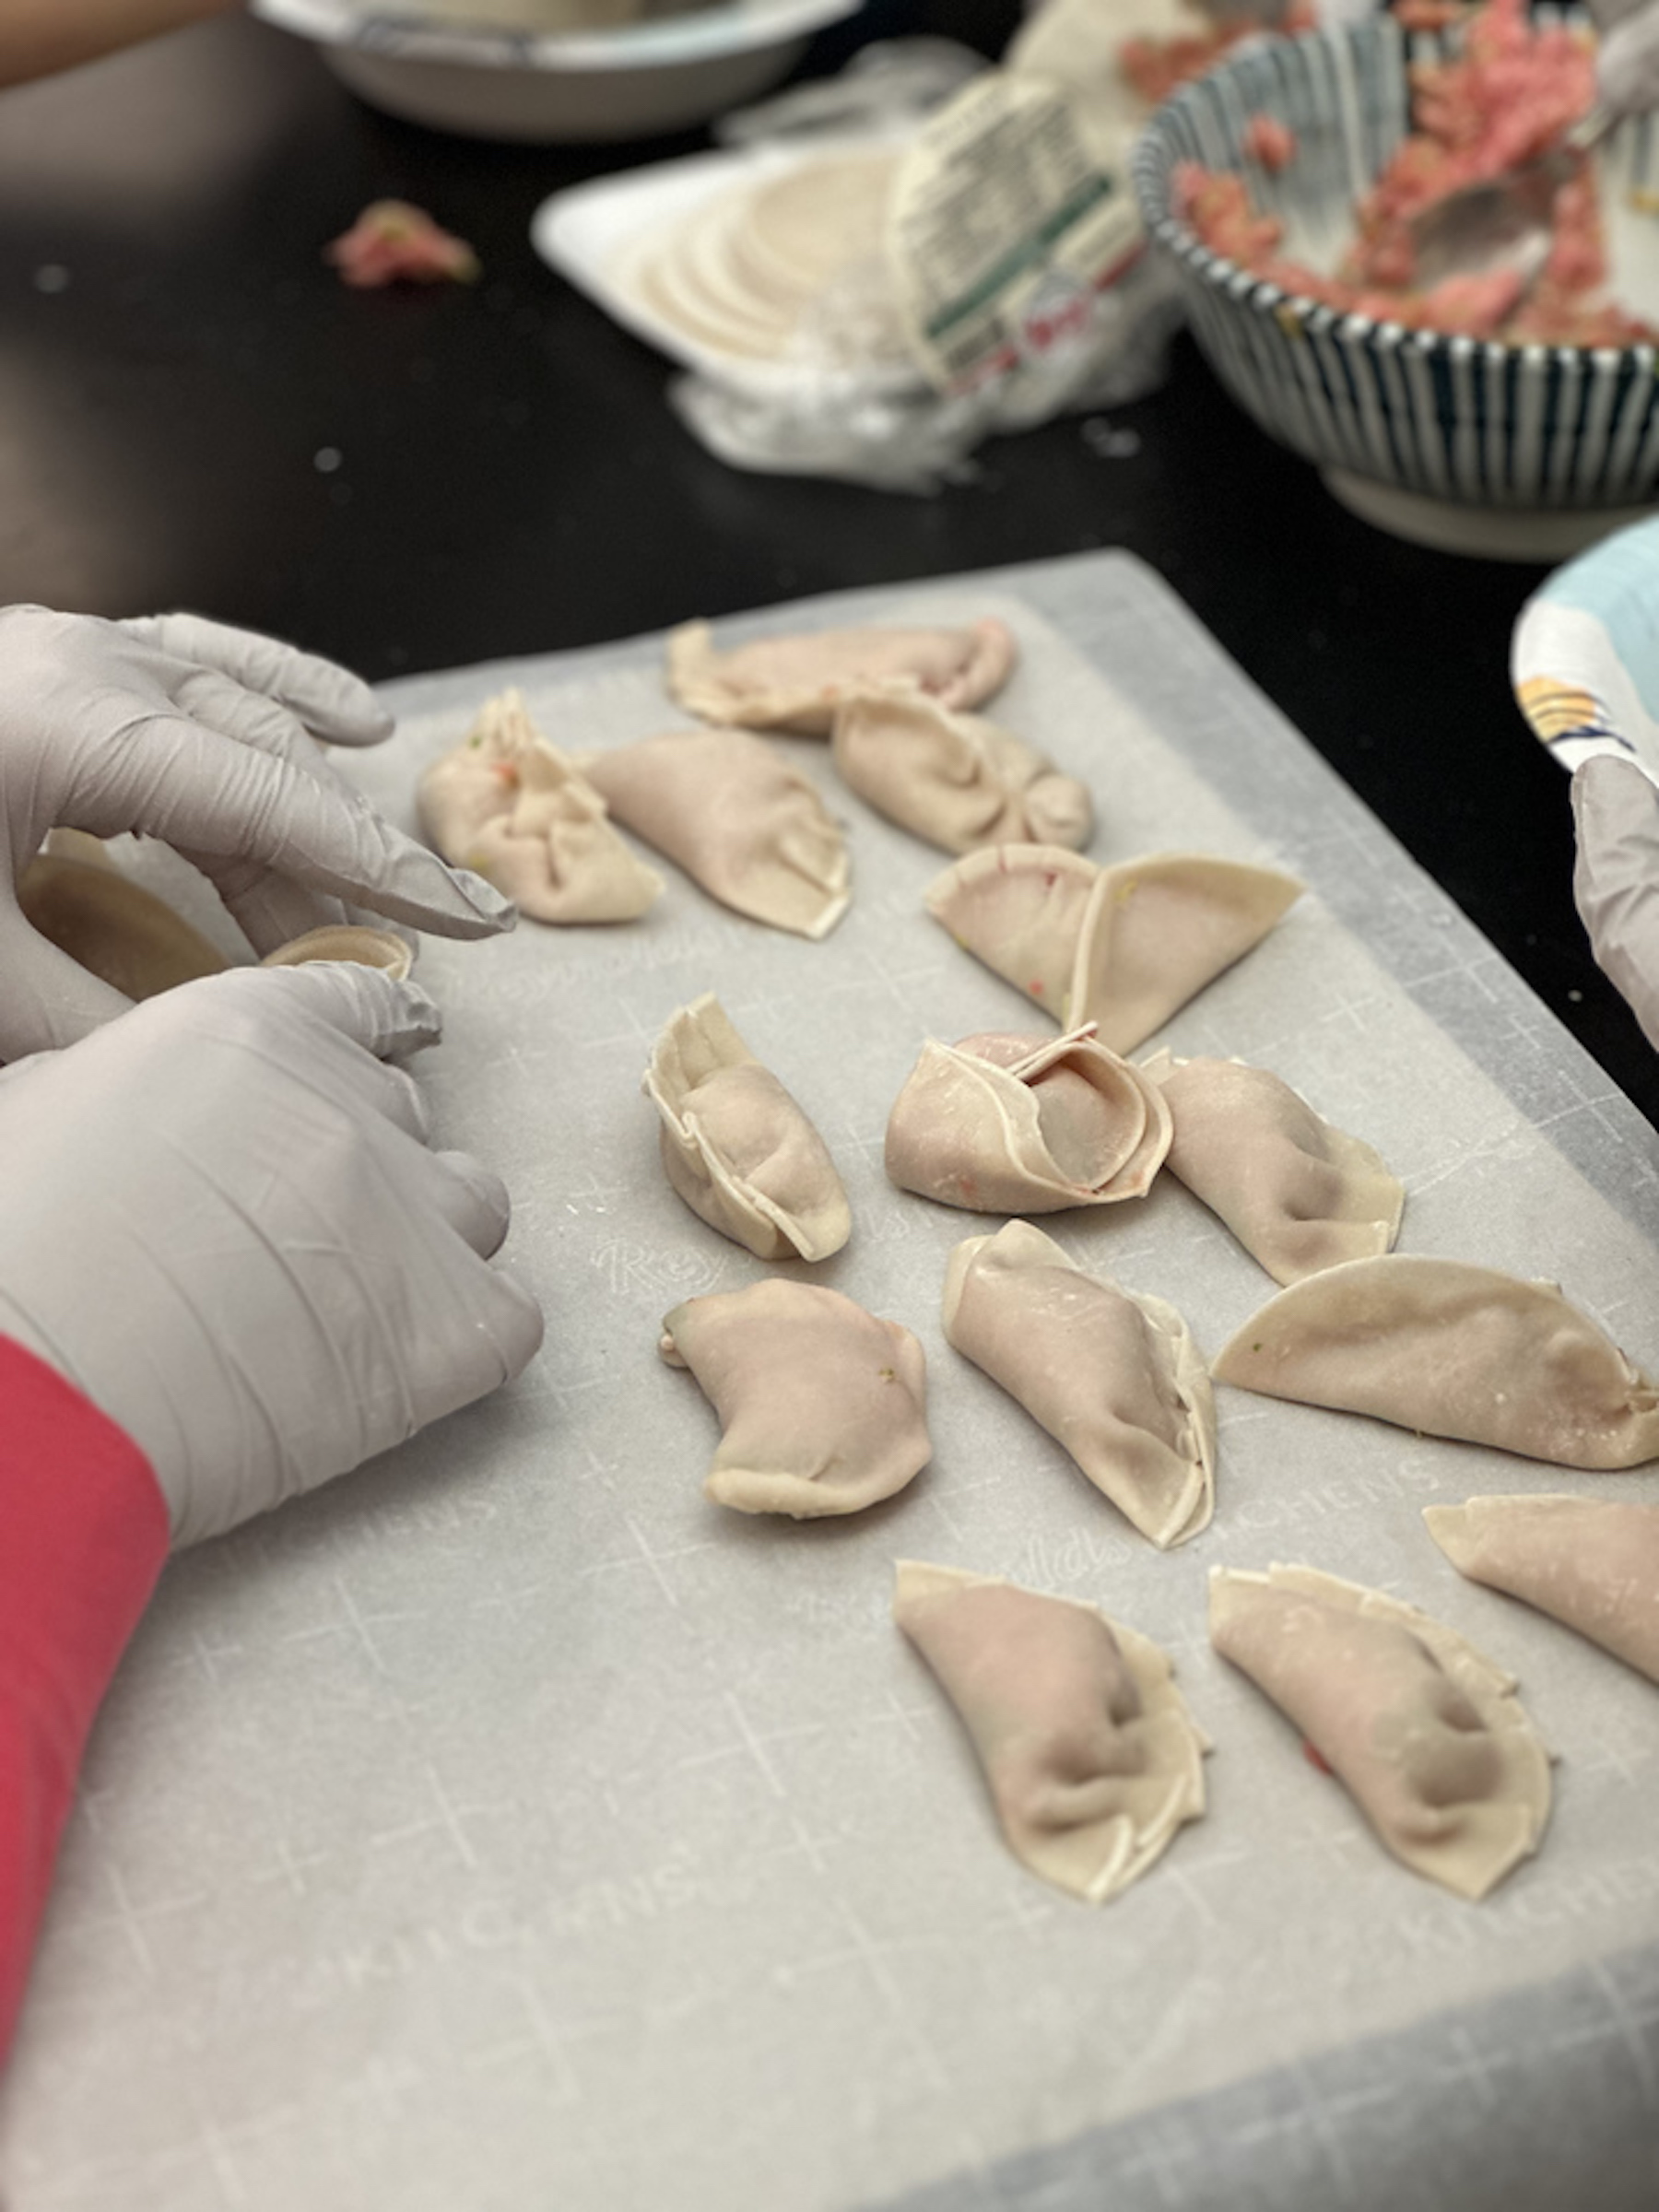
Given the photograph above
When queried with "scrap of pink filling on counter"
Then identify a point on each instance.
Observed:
(392, 240)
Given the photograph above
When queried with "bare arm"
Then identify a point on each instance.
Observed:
(40, 37)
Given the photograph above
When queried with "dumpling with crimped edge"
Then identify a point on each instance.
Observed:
(1012, 1124)
(738, 818)
(953, 778)
(517, 810)
(736, 1146)
(796, 683)
(1113, 1375)
(1092, 1760)
(1123, 947)
(1451, 1350)
(823, 1407)
(1591, 1563)
(1425, 1733)
(1298, 1194)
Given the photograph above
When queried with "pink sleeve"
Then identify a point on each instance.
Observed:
(83, 1538)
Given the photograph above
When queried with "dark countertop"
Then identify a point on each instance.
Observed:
(193, 411)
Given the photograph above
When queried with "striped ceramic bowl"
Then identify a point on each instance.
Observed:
(1524, 451)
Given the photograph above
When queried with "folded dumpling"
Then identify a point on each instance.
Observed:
(1010, 1124)
(1123, 947)
(1426, 1732)
(1590, 1562)
(1451, 1350)
(823, 1407)
(518, 811)
(1113, 1375)
(737, 1147)
(741, 821)
(796, 683)
(952, 778)
(1298, 1195)
(1092, 1760)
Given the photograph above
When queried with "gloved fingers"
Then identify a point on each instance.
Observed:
(1627, 63)
(46, 999)
(332, 704)
(1616, 879)
(181, 783)
(492, 1330)
(388, 1018)
(269, 910)
(473, 1200)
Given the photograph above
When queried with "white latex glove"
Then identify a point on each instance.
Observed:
(1627, 59)
(1615, 881)
(220, 1220)
(203, 736)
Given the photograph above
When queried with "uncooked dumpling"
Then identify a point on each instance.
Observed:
(1092, 1760)
(1013, 1124)
(1123, 947)
(1452, 1350)
(955, 778)
(514, 808)
(823, 1407)
(1425, 1732)
(797, 683)
(1298, 1195)
(1591, 1563)
(732, 811)
(1113, 1375)
(737, 1147)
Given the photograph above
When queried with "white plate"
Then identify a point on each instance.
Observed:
(1585, 660)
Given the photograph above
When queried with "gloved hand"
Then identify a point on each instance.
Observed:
(220, 1220)
(1616, 879)
(1627, 59)
(201, 735)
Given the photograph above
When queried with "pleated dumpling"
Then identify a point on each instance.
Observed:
(741, 821)
(518, 811)
(1591, 1563)
(1113, 1375)
(796, 683)
(736, 1146)
(1427, 1735)
(1123, 947)
(823, 1408)
(955, 778)
(1453, 1350)
(1092, 1760)
(1298, 1195)
(1010, 1124)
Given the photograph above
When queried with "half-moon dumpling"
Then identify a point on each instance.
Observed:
(1425, 1732)
(1451, 1350)
(955, 778)
(1002, 1124)
(737, 1147)
(1590, 1562)
(1113, 1375)
(823, 1407)
(796, 683)
(1298, 1195)
(1092, 1760)
(1123, 947)
(516, 809)
(741, 821)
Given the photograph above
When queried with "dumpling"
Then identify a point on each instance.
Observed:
(1590, 1562)
(1092, 1760)
(823, 1407)
(955, 778)
(1298, 1195)
(1113, 1375)
(1007, 1124)
(1451, 1350)
(516, 809)
(730, 811)
(737, 1147)
(1425, 1732)
(796, 683)
(1123, 947)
